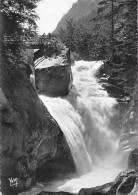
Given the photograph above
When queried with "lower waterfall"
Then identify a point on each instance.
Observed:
(87, 118)
(72, 126)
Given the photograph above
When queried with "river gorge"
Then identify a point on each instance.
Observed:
(89, 120)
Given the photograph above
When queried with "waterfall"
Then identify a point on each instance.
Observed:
(71, 125)
(85, 116)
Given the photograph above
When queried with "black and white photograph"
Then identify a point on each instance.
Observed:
(68, 97)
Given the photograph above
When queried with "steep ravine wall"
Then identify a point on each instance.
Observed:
(30, 137)
(131, 130)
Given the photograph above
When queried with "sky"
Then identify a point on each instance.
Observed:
(50, 12)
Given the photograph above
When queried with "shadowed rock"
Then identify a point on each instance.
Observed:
(124, 183)
(133, 159)
(29, 134)
(99, 190)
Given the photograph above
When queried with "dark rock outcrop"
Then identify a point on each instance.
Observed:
(99, 190)
(129, 139)
(58, 166)
(133, 160)
(124, 183)
(29, 134)
(53, 75)
(131, 120)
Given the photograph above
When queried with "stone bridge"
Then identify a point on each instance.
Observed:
(32, 43)
(36, 45)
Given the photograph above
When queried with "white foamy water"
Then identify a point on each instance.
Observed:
(85, 116)
(72, 126)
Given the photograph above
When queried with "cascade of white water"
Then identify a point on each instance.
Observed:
(84, 117)
(71, 125)
(96, 109)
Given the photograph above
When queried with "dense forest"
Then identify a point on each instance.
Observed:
(18, 23)
(112, 39)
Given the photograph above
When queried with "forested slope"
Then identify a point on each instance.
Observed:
(82, 11)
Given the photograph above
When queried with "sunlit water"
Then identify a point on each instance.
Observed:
(85, 117)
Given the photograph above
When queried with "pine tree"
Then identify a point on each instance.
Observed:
(104, 28)
(120, 17)
(67, 35)
(18, 24)
(19, 16)
(18, 20)
(82, 42)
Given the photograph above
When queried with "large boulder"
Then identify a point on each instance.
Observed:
(30, 137)
(54, 81)
(53, 69)
(125, 183)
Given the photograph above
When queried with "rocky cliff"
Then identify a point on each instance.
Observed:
(129, 139)
(30, 137)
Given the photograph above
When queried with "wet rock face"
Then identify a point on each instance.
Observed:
(131, 120)
(124, 183)
(133, 159)
(29, 134)
(59, 166)
(129, 139)
(26, 128)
